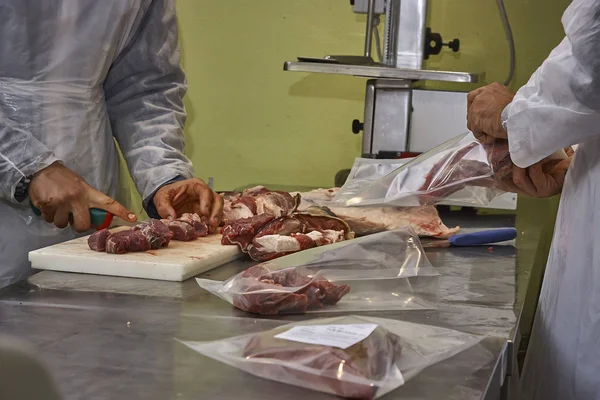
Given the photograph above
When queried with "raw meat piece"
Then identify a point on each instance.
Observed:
(200, 228)
(138, 242)
(464, 167)
(242, 231)
(182, 231)
(255, 191)
(117, 243)
(157, 233)
(263, 292)
(163, 230)
(325, 368)
(284, 244)
(142, 237)
(424, 220)
(299, 231)
(256, 201)
(97, 240)
(126, 241)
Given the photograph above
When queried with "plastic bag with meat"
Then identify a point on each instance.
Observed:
(352, 356)
(461, 171)
(384, 271)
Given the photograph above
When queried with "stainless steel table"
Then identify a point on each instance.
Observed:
(113, 338)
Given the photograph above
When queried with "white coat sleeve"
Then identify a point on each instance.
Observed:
(21, 155)
(144, 91)
(560, 105)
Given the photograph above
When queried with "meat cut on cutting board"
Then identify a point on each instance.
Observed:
(177, 262)
(424, 220)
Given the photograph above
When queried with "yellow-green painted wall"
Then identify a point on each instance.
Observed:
(251, 122)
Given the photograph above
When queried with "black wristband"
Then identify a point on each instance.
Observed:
(21, 189)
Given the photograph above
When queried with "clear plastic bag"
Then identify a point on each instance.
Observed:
(349, 356)
(461, 170)
(384, 271)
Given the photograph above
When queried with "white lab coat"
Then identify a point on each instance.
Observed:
(74, 75)
(559, 107)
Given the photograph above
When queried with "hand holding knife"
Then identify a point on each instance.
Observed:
(100, 219)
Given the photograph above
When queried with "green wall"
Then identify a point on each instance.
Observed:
(251, 122)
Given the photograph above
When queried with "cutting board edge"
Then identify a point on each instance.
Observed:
(212, 266)
(174, 273)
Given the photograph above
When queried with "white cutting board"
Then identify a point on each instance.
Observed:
(177, 262)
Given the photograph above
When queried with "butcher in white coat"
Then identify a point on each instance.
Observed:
(76, 76)
(559, 107)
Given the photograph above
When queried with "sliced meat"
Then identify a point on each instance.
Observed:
(260, 291)
(235, 212)
(296, 232)
(97, 240)
(182, 231)
(368, 361)
(117, 243)
(257, 201)
(157, 233)
(255, 191)
(242, 231)
(200, 227)
(163, 230)
(126, 241)
(137, 242)
(464, 167)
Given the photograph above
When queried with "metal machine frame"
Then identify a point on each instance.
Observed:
(388, 99)
(397, 119)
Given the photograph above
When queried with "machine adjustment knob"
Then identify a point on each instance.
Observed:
(434, 44)
(357, 126)
(454, 45)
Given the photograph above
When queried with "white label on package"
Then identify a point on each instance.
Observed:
(342, 336)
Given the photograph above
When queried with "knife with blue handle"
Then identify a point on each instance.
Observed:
(490, 236)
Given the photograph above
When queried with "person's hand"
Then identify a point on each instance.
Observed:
(189, 196)
(543, 179)
(484, 111)
(57, 192)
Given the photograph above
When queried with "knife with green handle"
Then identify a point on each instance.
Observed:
(99, 218)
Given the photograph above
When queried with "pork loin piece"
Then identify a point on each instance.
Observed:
(369, 360)
(200, 227)
(97, 240)
(260, 291)
(126, 241)
(182, 231)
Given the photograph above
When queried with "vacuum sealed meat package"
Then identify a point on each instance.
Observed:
(350, 356)
(461, 171)
(383, 271)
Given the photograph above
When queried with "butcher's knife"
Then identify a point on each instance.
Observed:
(100, 219)
(490, 236)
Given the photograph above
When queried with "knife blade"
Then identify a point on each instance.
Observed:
(99, 218)
(473, 239)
